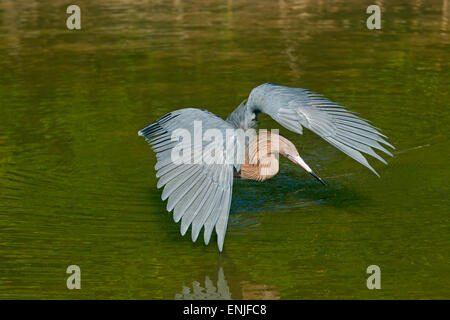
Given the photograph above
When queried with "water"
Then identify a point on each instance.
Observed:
(77, 184)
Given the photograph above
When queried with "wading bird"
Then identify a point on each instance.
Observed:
(200, 193)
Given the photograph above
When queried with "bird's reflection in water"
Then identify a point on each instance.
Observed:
(253, 291)
(246, 290)
(209, 291)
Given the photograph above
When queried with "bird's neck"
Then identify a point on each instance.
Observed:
(261, 161)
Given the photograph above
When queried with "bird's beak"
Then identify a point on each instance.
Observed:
(298, 160)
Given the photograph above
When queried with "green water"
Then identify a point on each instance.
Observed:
(77, 184)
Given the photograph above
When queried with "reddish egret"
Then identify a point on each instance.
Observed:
(199, 189)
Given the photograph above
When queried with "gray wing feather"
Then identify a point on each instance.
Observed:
(217, 212)
(295, 108)
(200, 219)
(222, 222)
(199, 194)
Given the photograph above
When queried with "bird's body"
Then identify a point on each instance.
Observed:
(261, 156)
(199, 187)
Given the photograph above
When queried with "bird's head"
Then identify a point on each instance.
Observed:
(288, 149)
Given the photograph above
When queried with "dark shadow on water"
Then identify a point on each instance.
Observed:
(284, 192)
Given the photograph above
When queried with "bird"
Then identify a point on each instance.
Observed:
(199, 192)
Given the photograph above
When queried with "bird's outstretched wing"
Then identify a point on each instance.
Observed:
(295, 108)
(199, 192)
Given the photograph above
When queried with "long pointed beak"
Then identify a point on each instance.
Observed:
(298, 160)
